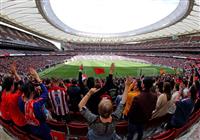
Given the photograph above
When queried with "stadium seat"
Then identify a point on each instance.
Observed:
(122, 128)
(58, 126)
(32, 137)
(76, 116)
(77, 130)
(163, 134)
(57, 135)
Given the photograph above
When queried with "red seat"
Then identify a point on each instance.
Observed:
(17, 134)
(77, 116)
(171, 136)
(122, 128)
(58, 126)
(77, 130)
(32, 137)
(163, 134)
(57, 135)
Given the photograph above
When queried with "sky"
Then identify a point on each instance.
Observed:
(111, 16)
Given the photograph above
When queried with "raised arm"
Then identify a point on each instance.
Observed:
(80, 75)
(35, 75)
(127, 85)
(109, 81)
(85, 99)
(14, 71)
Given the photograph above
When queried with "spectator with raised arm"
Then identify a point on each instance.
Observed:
(96, 98)
(102, 126)
(34, 108)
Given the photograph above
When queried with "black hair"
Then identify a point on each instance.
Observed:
(167, 90)
(90, 82)
(74, 82)
(148, 83)
(185, 82)
(139, 85)
(7, 83)
(28, 89)
(193, 92)
(160, 86)
(177, 87)
(197, 84)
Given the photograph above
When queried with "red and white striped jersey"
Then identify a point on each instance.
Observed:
(58, 99)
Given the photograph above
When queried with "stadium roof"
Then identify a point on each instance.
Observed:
(38, 17)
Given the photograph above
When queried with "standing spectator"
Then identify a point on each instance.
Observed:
(96, 98)
(141, 110)
(74, 96)
(59, 100)
(132, 94)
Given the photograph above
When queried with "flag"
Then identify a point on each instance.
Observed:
(99, 70)
(162, 71)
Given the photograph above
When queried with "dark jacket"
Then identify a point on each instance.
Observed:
(142, 107)
(184, 109)
(74, 93)
(94, 100)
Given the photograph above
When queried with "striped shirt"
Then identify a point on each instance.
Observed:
(58, 99)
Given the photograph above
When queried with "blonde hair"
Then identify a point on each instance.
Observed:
(105, 108)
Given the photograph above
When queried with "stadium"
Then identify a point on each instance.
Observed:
(103, 70)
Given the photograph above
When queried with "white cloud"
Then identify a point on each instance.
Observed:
(111, 16)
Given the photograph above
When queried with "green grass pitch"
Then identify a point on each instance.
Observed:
(123, 68)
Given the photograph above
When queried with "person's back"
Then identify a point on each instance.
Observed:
(4, 106)
(162, 106)
(16, 115)
(34, 108)
(58, 99)
(8, 84)
(163, 103)
(136, 86)
(142, 108)
(102, 126)
(183, 110)
(74, 93)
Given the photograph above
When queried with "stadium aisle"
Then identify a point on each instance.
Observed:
(192, 134)
(4, 135)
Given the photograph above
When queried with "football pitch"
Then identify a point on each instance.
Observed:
(123, 68)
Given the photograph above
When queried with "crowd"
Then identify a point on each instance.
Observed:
(23, 62)
(29, 102)
(182, 42)
(11, 35)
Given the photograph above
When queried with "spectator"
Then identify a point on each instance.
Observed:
(34, 108)
(164, 102)
(102, 127)
(59, 100)
(141, 110)
(136, 86)
(184, 109)
(16, 115)
(74, 96)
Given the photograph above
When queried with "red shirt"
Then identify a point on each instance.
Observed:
(4, 106)
(16, 115)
